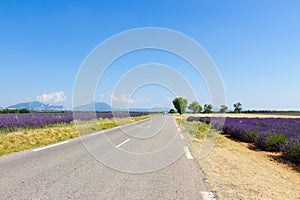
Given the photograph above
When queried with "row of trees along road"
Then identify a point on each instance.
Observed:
(181, 104)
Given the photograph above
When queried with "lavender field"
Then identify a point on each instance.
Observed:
(12, 122)
(270, 134)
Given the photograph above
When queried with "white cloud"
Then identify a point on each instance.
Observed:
(54, 97)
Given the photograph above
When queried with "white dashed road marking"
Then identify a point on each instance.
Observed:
(208, 196)
(119, 145)
(188, 153)
(181, 136)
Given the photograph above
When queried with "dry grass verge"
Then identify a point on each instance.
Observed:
(237, 172)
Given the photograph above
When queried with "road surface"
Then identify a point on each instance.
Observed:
(145, 160)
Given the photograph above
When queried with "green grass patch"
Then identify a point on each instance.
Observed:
(196, 129)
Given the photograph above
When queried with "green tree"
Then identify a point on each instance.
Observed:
(24, 110)
(180, 104)
(171, 111)
(237, 107)
(207, 108)
(195, 107)
(223, 108)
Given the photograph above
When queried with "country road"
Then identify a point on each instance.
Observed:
(144, 160)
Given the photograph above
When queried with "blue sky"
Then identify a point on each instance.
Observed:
(254, 44)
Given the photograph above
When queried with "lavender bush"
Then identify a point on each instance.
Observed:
(291, 149)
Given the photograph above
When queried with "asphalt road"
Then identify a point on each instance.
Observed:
(145, 160)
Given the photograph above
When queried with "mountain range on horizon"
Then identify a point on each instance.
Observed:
(36, 106)
(93, 106)
(104, 107)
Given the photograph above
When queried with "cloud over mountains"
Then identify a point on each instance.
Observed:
(53, 97)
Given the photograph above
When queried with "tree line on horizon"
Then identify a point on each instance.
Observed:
(13, 111)
(181, 104)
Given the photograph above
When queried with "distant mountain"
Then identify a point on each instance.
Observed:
(36, 106)
(154, 109)
(101, 106)
(94, 106)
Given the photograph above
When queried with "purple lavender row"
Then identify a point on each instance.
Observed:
(270, 134)
(11, 122)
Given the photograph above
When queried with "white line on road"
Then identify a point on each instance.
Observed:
(50, 146)
(208, 196)
(188, 153)
(123, 143)
(181, 136)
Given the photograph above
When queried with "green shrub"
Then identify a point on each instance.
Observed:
(250, 136)
(270, 142)
(172, 111)
(274, 141)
